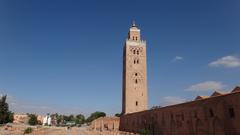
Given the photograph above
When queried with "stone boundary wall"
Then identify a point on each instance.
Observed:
(217, 115)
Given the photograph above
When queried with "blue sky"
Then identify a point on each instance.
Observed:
(66, 55)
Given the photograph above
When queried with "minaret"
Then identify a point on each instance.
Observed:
(135, 96)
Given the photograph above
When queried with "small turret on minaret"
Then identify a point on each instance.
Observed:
(134, 33)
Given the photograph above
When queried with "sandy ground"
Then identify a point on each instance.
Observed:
(19, 129)
(59, 131)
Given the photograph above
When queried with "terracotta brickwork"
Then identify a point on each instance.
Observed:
(134, 73)
(215, 115)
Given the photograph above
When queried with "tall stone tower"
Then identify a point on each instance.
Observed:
(135, 96)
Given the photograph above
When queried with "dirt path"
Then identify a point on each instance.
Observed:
(49, 131)
(61, 131)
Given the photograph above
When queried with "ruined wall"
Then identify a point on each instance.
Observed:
(105, 124)
(20, 118)
(218, 115)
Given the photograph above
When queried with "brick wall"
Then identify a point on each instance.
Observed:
(216, 115)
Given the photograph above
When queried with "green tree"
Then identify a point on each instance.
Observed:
(80, 119)
(32, 119)
(56, 117)
(10, 117)
(71, 118)
(95, 115)
(117, 114)
(4, 113)
(60, 119)
(65, 118)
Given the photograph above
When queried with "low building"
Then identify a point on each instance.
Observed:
(40, 118)
(20, 118)
(47, 120)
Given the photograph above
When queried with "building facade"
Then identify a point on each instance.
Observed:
(135, 96)
(47, 120)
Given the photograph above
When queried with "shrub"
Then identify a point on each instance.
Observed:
(10, 117)
(144, 132)
(28, 130)
(32, 119)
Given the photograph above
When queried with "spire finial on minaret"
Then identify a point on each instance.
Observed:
(133, 24)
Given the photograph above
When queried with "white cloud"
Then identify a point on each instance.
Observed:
(177, 58)
(206, 86)
(227, 61)
(171, 100)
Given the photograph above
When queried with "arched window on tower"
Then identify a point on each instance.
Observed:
(134, 61)
(136, 81)
(137, 52)
(136, 74)
(134, 51)
(136, 38)
(137, 61)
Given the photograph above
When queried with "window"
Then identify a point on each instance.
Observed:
(136, 61)
(134, 51)
(231, 112)
(137, 52)
(105, 126)
(211, 113)
(136, 38)
(136, 103)
(195, 115)
(136, 74)
(136, 81)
